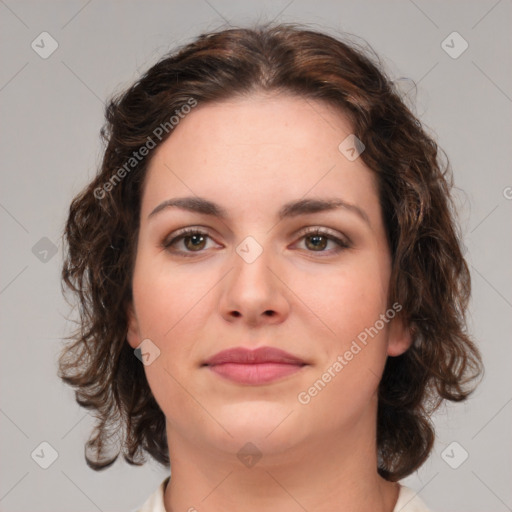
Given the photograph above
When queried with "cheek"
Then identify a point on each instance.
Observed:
(346, 380)
(171, 307)
(165, 312)
(349, 303)
(162, 298)
(347, 299)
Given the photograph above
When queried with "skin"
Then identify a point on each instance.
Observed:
(252, 155)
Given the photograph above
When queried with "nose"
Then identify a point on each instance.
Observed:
(255, 293)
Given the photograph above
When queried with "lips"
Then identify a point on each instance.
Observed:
(254, 367)
(242, 355)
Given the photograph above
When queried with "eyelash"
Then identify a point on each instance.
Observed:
(308, 232)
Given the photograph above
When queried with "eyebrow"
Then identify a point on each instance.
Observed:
(291, 209)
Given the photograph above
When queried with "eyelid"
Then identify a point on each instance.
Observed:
(327, 232)
(183, 232)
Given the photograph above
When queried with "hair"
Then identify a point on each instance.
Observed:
(429, 275)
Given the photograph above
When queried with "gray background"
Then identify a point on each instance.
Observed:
(52, 110)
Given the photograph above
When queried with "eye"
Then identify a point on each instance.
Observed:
(317, 240)
(193, 240)
(190, 239)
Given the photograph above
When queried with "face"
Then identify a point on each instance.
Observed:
(268, 265)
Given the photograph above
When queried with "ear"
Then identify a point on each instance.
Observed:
(133, 334)
(399, 337)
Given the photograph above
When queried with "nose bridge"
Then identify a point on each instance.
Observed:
(252, 275)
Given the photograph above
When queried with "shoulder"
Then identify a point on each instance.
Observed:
(409, 501)
(155, 503)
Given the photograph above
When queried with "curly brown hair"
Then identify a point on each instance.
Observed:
(429, 277)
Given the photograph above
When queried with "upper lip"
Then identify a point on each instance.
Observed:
(243, 355)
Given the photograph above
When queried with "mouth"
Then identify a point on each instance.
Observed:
(254, 367)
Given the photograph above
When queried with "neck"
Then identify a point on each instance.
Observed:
(324, 473)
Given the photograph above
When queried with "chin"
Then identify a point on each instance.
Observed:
(270, 426)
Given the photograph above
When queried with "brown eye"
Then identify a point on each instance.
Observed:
(195, 242)
(317, 242)
(187, 241)
(320, 241)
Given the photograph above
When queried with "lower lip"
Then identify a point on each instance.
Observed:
(255, 373)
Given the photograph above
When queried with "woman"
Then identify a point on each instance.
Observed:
(271, 233)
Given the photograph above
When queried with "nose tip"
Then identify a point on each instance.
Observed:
(254, 294)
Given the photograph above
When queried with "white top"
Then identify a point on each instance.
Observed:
(408, 501)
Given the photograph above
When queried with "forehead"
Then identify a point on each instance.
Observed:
(251, 150)
(280, 120)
